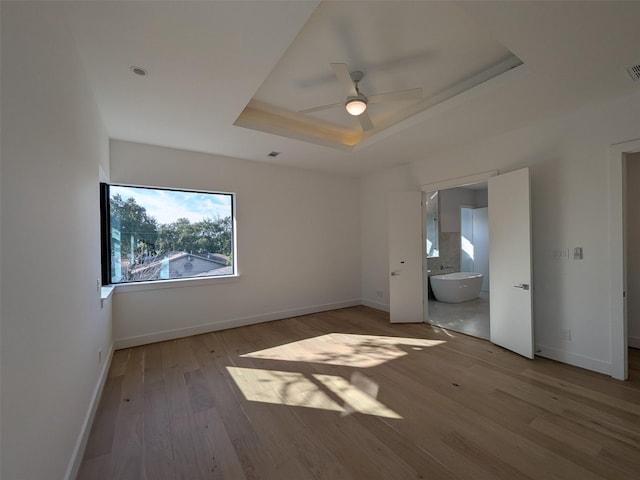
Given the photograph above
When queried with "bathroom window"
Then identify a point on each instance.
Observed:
(432, 225)
(155, 234)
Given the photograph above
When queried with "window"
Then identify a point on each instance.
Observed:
(431, 223)
(151, 234)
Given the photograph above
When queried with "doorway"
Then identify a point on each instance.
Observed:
(458, 218)
(632, 255)
(511, 322)
(511, 319)
(619, 155)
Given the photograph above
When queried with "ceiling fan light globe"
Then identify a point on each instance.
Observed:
(356, 106)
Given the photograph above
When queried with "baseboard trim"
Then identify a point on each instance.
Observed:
(81, 443)
(376, 305)
(633, 342)
(573, 359)
(230, 323)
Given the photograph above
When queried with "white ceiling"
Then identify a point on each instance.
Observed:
(427, 45)
(208, 60)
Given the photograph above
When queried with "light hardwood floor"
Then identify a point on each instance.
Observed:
(345, 395)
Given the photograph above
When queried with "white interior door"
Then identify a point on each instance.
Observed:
(510, 286)
(405, 257)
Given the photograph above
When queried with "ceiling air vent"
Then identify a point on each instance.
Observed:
(634, 72)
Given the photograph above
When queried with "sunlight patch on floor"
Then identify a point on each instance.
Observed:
(345, 349)
(358, 395)
(282, 388)
(296, 390)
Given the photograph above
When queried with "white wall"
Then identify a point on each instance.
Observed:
(481, 198)
(1, 455)
(451, 199)
(298, 245)
(633, 252)
(52, 325)
(569, 160)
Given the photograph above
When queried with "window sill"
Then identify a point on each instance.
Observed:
(106, 291)
(174, 283)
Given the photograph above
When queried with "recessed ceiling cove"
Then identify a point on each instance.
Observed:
(411, 56)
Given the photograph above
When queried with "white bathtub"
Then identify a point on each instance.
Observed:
(456, 287)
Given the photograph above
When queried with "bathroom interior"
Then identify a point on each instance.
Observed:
(457, 250)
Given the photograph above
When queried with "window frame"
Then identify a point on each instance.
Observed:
(106, 247)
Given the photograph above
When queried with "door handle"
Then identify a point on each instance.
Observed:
(395, 274)
(523, 286)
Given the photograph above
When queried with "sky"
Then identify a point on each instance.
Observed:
(168, 205)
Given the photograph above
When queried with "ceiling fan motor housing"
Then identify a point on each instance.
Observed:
(356, 76)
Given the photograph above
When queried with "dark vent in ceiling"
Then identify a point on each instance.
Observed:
(139, 71)
(634, 72)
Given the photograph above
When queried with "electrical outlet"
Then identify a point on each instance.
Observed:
(379, 293)
(566, 334)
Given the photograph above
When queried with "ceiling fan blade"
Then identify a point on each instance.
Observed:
(411, 94)
(344, 77)
(365, 121)
(323, 107)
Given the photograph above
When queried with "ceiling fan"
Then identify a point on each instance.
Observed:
(356, 102)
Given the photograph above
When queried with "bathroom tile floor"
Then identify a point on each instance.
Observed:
(470, 318)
